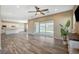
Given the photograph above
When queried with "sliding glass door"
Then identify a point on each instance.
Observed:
(49, 28)
(45, 28)
(42, 28)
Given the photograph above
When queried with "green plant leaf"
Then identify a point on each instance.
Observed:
(62, 32)
(61, 25)
(64, 29)
(68, 23)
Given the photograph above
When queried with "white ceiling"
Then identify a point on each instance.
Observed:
(20, 12)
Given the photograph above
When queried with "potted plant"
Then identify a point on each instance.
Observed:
(65, 31)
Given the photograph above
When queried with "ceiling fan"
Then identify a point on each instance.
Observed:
(38, 10)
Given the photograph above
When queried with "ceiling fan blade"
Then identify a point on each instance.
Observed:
(42, 13)
(37, 7)
(45, 10)
(31, 11)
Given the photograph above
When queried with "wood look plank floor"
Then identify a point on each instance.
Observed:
(22, 43)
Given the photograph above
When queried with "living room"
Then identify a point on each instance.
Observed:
(27, 29)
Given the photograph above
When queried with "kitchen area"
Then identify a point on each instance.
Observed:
(12, 27)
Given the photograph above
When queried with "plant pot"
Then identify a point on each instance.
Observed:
(65, 40)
